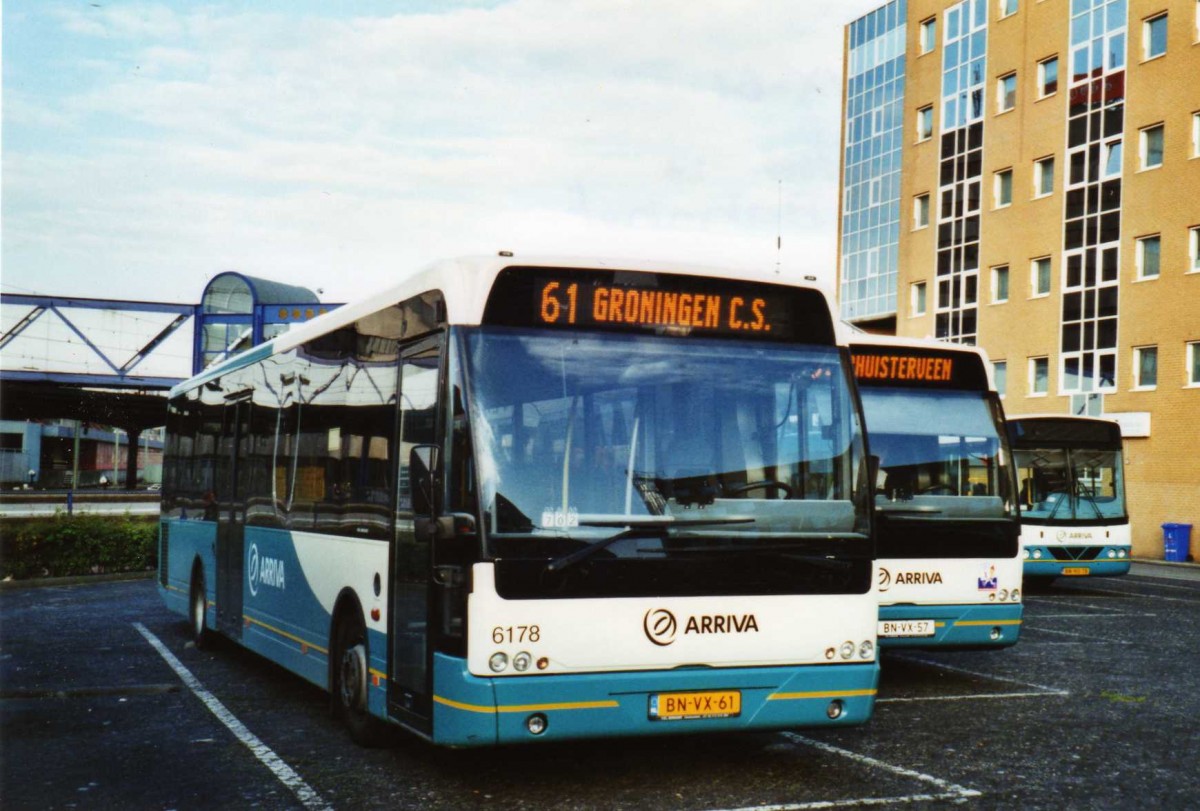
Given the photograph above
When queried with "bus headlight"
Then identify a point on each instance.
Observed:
(1037, 554)
(847, 649)
(536, 723)
(1003, 595)
(866, 649)
(1016, 595)
(498, 662)
(1112, 553)
(1121, 553)
(834, 710)
(1025, 554)
(522, 661)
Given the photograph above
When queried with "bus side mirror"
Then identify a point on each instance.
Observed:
(422, 463)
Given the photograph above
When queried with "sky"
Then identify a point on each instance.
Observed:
(148, 146)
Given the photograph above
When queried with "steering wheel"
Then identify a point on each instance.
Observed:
(765, 484)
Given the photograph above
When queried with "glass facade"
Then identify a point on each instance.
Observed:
(1092, 220)
(960, 170)
(874, 134)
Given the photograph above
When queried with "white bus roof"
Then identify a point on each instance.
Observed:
(466, 282)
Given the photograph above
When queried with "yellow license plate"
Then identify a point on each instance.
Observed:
(1076, 570)
(682, 706)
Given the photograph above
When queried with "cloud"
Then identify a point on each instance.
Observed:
(326, 151)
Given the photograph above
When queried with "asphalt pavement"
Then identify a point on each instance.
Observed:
(104, 704)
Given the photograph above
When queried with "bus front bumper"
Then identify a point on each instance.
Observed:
(473, 711)
(949, 626)
(1076, 561)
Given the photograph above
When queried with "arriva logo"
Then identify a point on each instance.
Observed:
(661, 626)
(263, 571)
(908, 579)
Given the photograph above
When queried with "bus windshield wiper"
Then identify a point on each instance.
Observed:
(649, 527)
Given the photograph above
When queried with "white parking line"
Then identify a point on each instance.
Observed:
(1155, 597)
(1052, 600)
(1046, 690)
(1089, 616)
(949, 791)
(966, 697)
(1089, 637)
(307, 797)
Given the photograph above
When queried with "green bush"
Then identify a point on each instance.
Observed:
(77, 545)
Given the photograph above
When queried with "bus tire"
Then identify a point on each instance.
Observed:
(350, 680)
(198, 607)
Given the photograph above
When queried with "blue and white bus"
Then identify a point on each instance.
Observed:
(1072, 490)
(515, 500)
(946, 517)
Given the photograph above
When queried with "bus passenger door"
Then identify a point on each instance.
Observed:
(231, 519)
(409, 687)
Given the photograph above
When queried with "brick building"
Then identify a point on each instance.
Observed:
(1025, 175)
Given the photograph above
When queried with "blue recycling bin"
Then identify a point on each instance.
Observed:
(1177, 541)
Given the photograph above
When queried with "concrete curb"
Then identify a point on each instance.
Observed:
(75, 580)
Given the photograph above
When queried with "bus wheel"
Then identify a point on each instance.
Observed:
(350, 675)
(198, 608)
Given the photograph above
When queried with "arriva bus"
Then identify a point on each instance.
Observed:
(946, 522)
(510, 501)
(1072, 492)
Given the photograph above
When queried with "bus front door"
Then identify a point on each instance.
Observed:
(409, 688)
(231, 521)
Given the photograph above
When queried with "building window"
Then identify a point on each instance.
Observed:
(1145, 367)
(1148, 257)
(1196, 124)
(917, 301)
(1194, 249)
(1193, 363)
(1008, 7)
(1003, 188)
(928, 35)
(1039, 376)
(920, 211)
(1000, 374)
(1048, 77)
(1043, 177)
(1039, 276)
(1112, 158)
(925, 123)
(1152, 146)
(1006, 92)
(1154, 36)
(999, 284)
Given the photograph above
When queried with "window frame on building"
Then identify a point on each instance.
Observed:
(1140, 353)
(1194, 247)
(1041, 362)
(1043, 174)
(1192, 370)
(1141, 257)
(1006, 98)
(924, 123)
(1040, 282)
(920, 211)
(1000, 377)
(928, 35)
(1000, 283)
(1196, 120)
(1002, 181)
(918, 299)
(1007, 8)
(1044, 91)
(1148, 36)
(1144, 138)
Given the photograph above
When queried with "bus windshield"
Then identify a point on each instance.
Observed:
(580, 436)
(940, 453)
(1070, 485)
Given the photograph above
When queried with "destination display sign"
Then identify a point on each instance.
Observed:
(917, 367)
(663, 303)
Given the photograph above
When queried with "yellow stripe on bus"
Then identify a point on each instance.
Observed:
(822, 694)
(987, 622)
(252, 621)
(576, 705)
